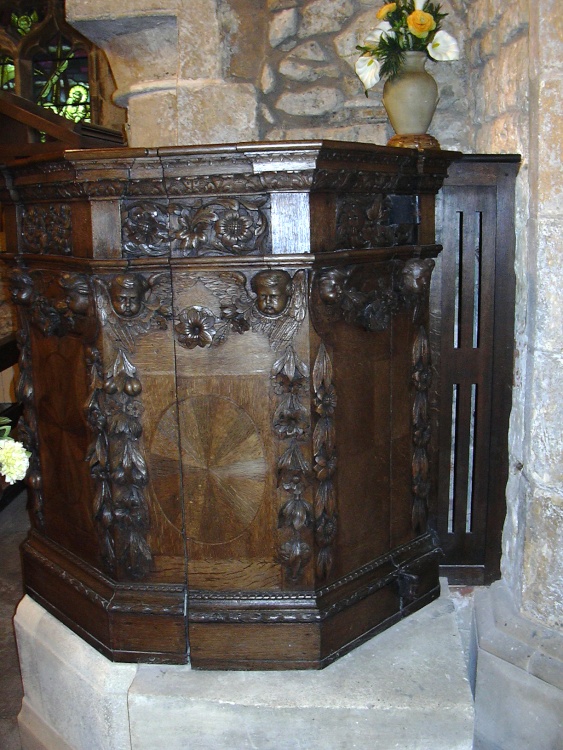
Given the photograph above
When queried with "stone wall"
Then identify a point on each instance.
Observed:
(516, 78)
(207, 71)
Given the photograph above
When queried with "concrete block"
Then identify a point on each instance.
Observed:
(519, 681)
(74, 697)
(406, 689)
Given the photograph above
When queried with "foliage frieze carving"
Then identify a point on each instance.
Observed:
(197, 227)
(367, 221)
(46, 229)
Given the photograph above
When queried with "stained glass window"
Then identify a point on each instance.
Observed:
(7, 73)
(43, 59)
(60, 80)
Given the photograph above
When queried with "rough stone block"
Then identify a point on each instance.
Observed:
(282, 26)
(543, 564)
(316, 101)
(550, 124)
(216, 112)
(153, 119)
(199, 40)
(322, 16)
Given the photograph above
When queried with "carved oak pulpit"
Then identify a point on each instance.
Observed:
(225, 372)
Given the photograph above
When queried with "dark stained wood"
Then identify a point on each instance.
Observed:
(21, 121)
(225, 369)
(472, 304)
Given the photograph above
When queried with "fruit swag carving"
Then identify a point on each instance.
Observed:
(129, 305)
(276, 310)
(24, 295)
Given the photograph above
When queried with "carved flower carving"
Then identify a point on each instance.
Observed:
(325, 465)
(233, 228)
(196, 327)
(325, 400)
(235, 317)
(191, 232)
(145, 230)
(291, 421)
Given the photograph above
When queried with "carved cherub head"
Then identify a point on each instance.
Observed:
(21, 288)
(416, 275)
(126, 293)
(331, 285)
(78, 293)
(273, 290)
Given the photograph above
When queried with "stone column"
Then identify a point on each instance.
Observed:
(519, 621)
(167, 60)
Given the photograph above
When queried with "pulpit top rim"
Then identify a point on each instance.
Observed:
(259, 149)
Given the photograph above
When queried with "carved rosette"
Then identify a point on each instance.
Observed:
(325, 461)
(196, 227)
(47, 229)
(145, 230)
(129, 306)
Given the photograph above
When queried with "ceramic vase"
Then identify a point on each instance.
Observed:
(410, 98)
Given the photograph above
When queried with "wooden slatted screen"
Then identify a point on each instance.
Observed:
(472, 303)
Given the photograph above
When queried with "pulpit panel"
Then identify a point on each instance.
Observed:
(225, 372)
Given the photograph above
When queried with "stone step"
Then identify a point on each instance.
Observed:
(406, 689)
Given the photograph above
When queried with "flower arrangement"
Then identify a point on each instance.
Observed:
(14, 459)
(405, 26)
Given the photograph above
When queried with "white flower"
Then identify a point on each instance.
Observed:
(14, 460)
(367, 70)
(372, 39)
(443, 47)
(419, 4)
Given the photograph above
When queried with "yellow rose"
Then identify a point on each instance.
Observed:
(382, 13)
(420, 23)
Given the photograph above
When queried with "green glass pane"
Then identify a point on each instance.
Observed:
(60, 80)
(7, 73)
